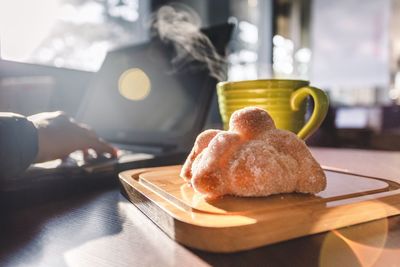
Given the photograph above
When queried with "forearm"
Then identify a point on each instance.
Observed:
(18, 144)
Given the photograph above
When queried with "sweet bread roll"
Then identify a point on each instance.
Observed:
(252, 158)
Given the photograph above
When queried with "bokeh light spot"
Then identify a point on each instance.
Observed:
(360, 245)
(134, 84)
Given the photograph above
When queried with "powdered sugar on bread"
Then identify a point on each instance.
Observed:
(252, 158)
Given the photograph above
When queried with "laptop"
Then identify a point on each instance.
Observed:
(154, 125)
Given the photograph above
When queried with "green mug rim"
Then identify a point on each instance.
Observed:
(260, 91)
(229, 85)
(283, 100)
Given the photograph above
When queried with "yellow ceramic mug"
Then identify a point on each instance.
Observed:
(284, 100)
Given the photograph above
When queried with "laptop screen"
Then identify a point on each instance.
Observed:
(138, 97)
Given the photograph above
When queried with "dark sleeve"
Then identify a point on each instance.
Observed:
(18, 144)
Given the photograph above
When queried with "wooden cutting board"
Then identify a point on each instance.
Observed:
(232, 224)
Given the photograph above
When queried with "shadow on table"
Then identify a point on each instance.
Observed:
(375, 243)
(27, 235)
(297, 252)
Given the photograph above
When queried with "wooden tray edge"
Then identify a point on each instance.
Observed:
(299, 222)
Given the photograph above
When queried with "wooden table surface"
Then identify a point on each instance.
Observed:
(101, 228)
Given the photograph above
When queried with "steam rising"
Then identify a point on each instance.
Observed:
(181, 26)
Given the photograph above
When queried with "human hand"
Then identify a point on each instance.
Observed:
(59, 135)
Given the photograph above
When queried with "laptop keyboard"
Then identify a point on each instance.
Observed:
(102, 163)
(76, 158)
(91, 164)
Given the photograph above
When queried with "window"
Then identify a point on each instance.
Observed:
(70, 33)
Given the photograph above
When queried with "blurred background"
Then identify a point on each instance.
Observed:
(49, 50)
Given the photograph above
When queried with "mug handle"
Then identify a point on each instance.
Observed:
(321, 104)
